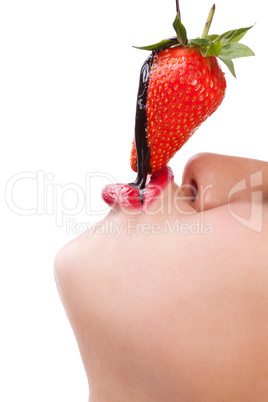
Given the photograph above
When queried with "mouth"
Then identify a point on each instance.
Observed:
(116, 195)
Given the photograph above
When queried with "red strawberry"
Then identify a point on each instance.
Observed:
(181, 85)
(184, 89)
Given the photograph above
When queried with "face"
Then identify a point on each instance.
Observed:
(171, 299)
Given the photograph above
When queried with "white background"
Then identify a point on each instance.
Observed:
(68, 85)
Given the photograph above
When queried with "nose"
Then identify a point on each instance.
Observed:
(210, 180)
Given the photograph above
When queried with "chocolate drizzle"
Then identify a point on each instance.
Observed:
(142, 148)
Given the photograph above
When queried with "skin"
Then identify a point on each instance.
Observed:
(179, 316)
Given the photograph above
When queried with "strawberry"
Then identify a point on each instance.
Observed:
(181, 85)
(184, 89)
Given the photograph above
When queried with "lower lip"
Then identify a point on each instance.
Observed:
(116, 195)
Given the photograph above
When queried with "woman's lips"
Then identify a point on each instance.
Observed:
(122, 194)
(116, 195)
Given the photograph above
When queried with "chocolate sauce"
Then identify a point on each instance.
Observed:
(142, 148)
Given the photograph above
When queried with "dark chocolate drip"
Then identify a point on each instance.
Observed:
(142, 148)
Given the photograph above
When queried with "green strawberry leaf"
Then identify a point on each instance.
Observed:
(212, 37)
(234, 50)
(214, 48)
(166, 43)
(180, 31)
(206, 46)
(228, 62)
(237, 37)
(198, 42)
(234, 35)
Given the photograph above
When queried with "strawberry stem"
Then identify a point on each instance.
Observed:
(178, 9)
(208, 22)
